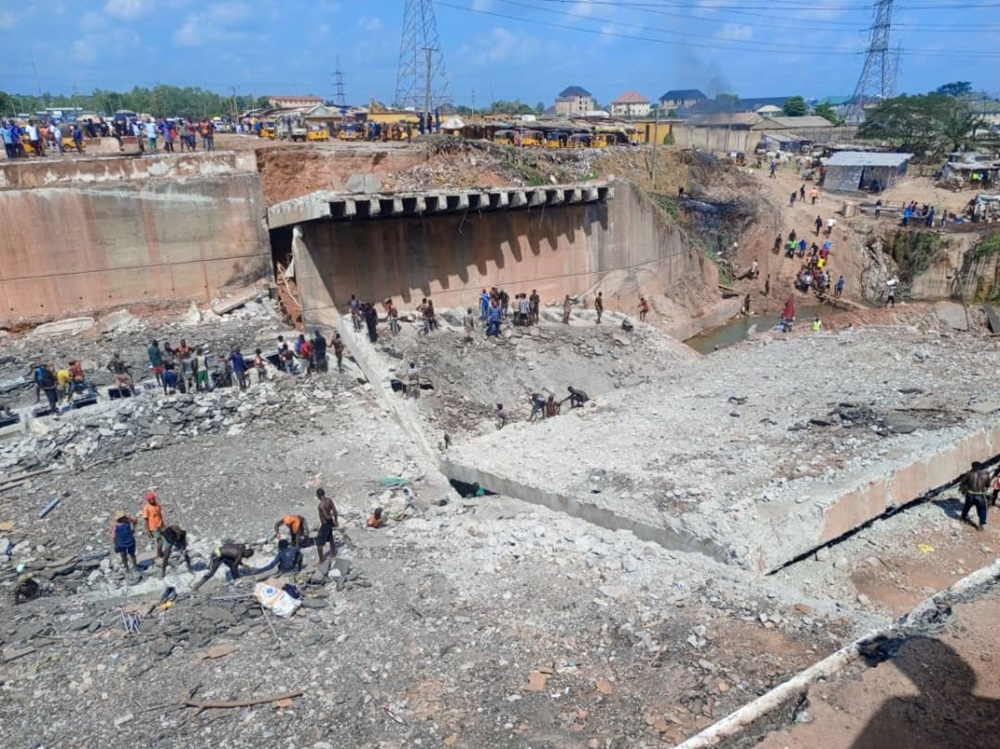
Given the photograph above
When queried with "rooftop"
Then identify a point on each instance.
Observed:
(863, 158)
(573, 91)
(797, 123)
(724, 119)
(631, 97)
(682, 94)
(296, 97)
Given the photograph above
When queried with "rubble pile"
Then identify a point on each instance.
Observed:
(149, 421)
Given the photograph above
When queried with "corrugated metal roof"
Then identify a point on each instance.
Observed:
(862, 158)
(798, 123)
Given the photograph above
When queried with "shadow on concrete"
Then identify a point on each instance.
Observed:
(404, 257)
(950, 507)
(946, 714)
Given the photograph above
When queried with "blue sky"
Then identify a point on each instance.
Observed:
(501, 49)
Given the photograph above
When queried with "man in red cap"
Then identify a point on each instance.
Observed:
(153, 515)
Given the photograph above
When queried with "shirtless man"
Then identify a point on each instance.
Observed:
(117, 368)
(975, 485)
(328, 520)
(174, 537)
(231, 555)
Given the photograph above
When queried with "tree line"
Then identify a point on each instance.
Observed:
(159, 101)
(950, 118)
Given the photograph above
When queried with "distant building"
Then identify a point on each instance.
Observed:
(293, 102)
(851, 171)
(574, 101)
(770, 110)
(680, 98)
(630, 104)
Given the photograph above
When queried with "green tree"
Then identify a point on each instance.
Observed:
(795, 106)
(959, 127)
(928, 124)
(540, 107)
(957, 89)
(827, 112)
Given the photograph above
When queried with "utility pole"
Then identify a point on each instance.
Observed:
(234, 112)
(656, 137)
(427, 87)
(473, 102)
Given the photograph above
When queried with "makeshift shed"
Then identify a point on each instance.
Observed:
(787, 142)
(851, 171)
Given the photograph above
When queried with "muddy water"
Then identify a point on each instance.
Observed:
(738, 328)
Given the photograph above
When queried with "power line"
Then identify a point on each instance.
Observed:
(772, 21)
(776, 50)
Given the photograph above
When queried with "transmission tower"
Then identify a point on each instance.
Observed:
(339, 96)
(422, 81)
(877, 74)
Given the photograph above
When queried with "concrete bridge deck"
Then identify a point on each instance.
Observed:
(340, 206)
(750, 455)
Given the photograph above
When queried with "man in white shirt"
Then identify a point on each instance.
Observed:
(57, 137)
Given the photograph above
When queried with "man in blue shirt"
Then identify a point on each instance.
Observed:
(8, 141)
(287, 560)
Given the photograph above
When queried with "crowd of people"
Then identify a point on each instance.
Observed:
(36, 138)
(172, 538)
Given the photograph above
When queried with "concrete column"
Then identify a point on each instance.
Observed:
(518, 199)
(535, 197)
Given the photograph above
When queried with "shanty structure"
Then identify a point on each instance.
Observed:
(851, 171)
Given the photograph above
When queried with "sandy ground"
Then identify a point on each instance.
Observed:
(938, 693)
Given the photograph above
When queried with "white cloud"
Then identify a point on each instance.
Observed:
(369, 23)
(116, 43)
(129, 9)
(482, 4)
(213, 24)
(93, 21)
(582, 9)
(500, 45)
(7, 19)
(735, 32)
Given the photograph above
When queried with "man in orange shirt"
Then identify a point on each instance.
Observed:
(297, 527)
(152, 513)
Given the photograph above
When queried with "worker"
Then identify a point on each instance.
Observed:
(376, 520)
(232, 555)
(328, 520)
(576, 397)
(975, 485)
(287, 560)
(152, 513)
(297, 527)
(123, 535)
(174, 537)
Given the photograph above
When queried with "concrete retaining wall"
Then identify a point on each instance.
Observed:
(83, 235)
(556, 250)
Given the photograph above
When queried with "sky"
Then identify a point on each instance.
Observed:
(492, 49)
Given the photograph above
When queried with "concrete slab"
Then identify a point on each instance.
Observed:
(687, 462)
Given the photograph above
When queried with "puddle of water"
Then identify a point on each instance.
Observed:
(738, 328)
